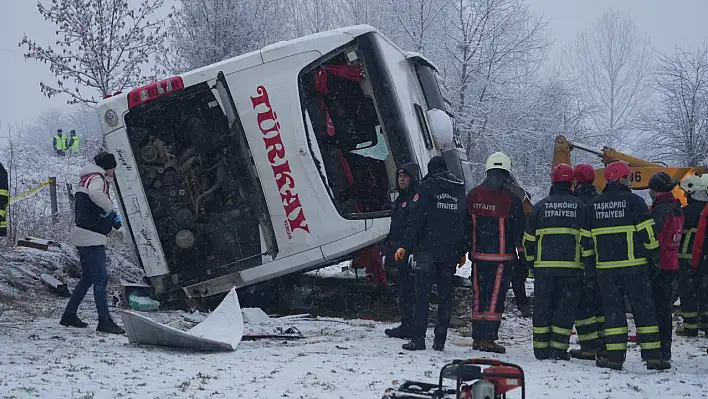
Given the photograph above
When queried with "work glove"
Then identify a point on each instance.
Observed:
(463, 260)
(116, 221)
(400, 254)
(106, 214)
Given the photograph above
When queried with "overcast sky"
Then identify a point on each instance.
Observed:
(667, 22)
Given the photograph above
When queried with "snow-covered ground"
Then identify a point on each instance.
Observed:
(338, 359)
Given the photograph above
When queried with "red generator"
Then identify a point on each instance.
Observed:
(474, 379)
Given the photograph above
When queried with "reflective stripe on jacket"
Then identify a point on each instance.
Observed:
(553, 232)
(692, 214)
(497, 224)
(621, 229)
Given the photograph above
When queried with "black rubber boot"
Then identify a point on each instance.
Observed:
(71, 320)
(488, 346)
(666, 351)
(608, 364)
(541, 354)
(557, 354)
(583, 354)
(440, 338)
(110, 327)
(658, 364)
(414, 345)
(402, 331)
(682, 331)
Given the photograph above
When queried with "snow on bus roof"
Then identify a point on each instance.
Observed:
(255, 57)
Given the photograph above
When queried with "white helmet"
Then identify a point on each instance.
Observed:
(498, 160)
(696, 186)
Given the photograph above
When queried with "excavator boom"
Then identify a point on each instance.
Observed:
(642, 170)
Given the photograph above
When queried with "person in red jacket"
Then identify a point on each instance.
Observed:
(669, 219)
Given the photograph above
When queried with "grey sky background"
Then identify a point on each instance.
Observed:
(668, 23)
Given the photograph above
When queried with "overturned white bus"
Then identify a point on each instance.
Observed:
(277, 161)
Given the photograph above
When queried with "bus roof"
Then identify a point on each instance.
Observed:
(256, 57)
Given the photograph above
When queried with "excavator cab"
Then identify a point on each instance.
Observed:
(642, 170)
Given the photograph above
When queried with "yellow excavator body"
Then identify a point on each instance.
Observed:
(642, 170)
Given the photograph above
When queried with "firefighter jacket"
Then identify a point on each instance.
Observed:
(401, 211)
(692, 214)
(585, 192)
(621, 229)
(553, 231)
(436, 220)
(699, 258)
(4, 200)
(496, 221)
(669, 220)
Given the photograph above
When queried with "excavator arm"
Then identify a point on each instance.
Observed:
(642, 170)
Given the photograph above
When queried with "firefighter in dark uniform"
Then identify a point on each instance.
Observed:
(699, 258)
(497, 221)
(523, 267)
(552, 242)
(4, 200)
(589, 318)
(669, 220)
(407, 177)
(622, 232)
(693, 287)
(434, 242)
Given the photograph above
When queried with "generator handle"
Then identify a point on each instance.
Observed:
(485, 362)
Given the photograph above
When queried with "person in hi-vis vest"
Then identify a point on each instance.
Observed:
(59, 143)
(73, 142)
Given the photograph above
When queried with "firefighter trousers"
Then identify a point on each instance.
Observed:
(427, 273)
(633, 282)
(518, 284)
(661, 290)
(406, 293)
(555, 302)
(490, 282)
(589, 318)
(693, 291)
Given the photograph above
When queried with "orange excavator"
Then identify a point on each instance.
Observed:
(642, 170)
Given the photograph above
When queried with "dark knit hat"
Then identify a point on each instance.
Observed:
(662, 183)
(437, 164)
(105, 161)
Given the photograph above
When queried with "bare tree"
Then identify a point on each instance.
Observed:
(356, 12)
(676, 126)
(417, 22)
(613, 63)
(311, 16)
(203, 32)
(101, 45)
(495, 47)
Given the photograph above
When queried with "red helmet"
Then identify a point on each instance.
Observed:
(562, 173)
(617, 170)
(584, 173)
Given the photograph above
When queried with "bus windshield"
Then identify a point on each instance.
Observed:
(356, 124)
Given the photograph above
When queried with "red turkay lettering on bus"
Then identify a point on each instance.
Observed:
(268, 123)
